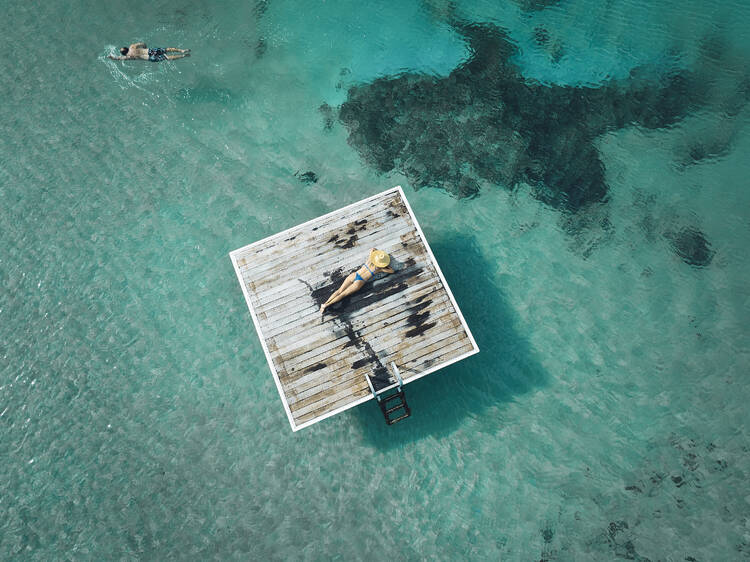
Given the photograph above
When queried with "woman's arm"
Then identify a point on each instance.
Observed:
(386, 270)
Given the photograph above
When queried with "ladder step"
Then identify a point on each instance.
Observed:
(398, 419)
(393, 396)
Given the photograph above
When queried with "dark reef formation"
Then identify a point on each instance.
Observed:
(685, 240)
(306, 177)
(535, 5)
(206, 92)
(691, 246)
(541, 35)
(259, 10)
(553, 47)
(328, 116)
(485, 122)
(707, 143)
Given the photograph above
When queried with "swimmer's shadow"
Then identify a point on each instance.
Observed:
(504, 368)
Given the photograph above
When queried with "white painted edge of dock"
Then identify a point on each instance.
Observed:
(263, 341)
(233, 257)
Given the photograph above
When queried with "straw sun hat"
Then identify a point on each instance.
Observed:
(380, 258)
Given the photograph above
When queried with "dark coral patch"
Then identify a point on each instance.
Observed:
(554, 48)
(541, 35)
(535, 5)
(328, 116)
(707, 148)
(260, 8)
(485, 123)
(691, 246)
(306, 177)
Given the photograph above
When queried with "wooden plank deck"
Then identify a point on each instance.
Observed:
(409, 318)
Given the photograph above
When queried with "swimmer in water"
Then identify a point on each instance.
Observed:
(139, 51)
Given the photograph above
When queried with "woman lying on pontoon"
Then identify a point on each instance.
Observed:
(377, 262)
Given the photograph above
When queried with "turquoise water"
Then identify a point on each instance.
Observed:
(606, 415)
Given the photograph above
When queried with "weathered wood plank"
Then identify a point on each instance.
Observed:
(396, 241)
(291, 326)
(383, 355)
(377, 339)
(451, 346)
(341, 370)
(312, 230)
(310, 270)
(379, 296)
(289, 349)
(334, 403)
(332, 220)
(400, 243)
(332, 398)
(338, 365)
(288, 280)
(427, 354)
(415, 366)
(344, 372)
(327, 240)
(366, 332)
(278, 312)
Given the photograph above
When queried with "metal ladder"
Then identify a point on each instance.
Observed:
(396, 399)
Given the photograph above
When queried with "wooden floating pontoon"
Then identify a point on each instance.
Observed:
(394, 330)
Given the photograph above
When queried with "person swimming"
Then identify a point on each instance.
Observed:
(377, 262)
(139, 51)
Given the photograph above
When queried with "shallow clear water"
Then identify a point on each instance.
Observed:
(606, 415)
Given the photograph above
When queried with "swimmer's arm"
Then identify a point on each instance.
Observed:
(138, 46)
(129, 57)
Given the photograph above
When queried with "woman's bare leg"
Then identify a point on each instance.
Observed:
(348, 281)
(352, 288)
(344, 284)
